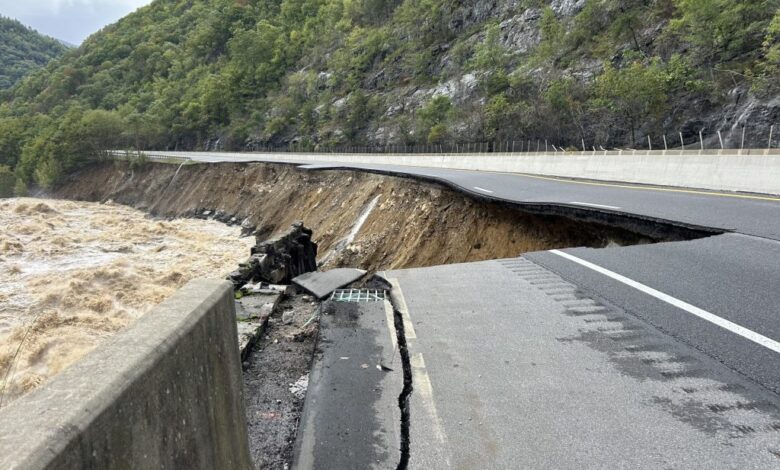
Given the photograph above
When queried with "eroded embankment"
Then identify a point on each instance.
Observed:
(359, 219)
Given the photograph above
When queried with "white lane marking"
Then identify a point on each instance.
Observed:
(483, 189)
(398, 294)
(703, 314)
(423, 389)
(594, 205)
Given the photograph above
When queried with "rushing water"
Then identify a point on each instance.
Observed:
(74, 273)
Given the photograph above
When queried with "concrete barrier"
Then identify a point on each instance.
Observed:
(164, 393)
(752, 170)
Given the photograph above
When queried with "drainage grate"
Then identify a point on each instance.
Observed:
(358, 295)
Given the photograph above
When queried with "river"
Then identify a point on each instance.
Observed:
(74, 273)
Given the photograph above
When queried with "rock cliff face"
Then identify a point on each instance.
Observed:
(710, 97)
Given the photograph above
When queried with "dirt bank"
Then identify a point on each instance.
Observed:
(359, 219)
(74, 273)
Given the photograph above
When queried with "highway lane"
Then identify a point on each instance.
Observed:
(514, 367)
(735, 277)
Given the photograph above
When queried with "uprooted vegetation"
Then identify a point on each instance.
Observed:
(362, 220)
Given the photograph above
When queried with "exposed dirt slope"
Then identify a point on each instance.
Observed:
(412, 223)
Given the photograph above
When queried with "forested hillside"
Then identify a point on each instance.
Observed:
(235, 74)
(23, 50)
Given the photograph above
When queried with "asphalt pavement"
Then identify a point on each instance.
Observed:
(652, 356)
(515, 367)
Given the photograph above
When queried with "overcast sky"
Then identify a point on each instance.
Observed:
(69, 20)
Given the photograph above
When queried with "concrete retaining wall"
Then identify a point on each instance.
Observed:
(721, 170)
(164, 393)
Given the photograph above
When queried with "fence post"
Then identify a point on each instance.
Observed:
(742, 144)
(720, 139)
(682, 142)
(583, 144)
(666, 147)
(701, 139)
(649, 143)
(771, 130)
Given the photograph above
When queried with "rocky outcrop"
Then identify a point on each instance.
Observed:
(279, 259)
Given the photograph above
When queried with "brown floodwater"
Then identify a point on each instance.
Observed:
(74, 273)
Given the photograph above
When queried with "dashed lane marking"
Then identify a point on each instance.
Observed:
(590, 204)
(692, 309)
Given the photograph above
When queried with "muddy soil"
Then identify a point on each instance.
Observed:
(402, 222)
(273, 390)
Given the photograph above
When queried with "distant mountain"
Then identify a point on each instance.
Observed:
(66, 43)
(23, 50)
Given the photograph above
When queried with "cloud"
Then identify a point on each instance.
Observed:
(69, 20)
(37, 7)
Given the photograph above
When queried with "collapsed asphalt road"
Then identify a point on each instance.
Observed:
(649, 356)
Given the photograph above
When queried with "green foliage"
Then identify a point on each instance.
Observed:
(504, 118)
(20, 188)
(490, 54)
(438, 134)
(7, 180)
(723, 29)
(23, 50)
(553, 36)
(432, 118)
(768, 80)
(360, 109)
(638, 92)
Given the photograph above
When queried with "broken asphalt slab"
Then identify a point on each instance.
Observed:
(351, 418)
(322, 283)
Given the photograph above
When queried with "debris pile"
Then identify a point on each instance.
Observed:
(278, 260)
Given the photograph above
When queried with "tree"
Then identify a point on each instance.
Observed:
(768, 80)
(101, 131)
(722, 29)
(490, 54)
(432, 119)
(7, 180)
(636, 92)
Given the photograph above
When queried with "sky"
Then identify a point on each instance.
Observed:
(69, 20)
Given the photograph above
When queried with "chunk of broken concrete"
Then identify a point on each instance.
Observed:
(321, 284)
(265, 288)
